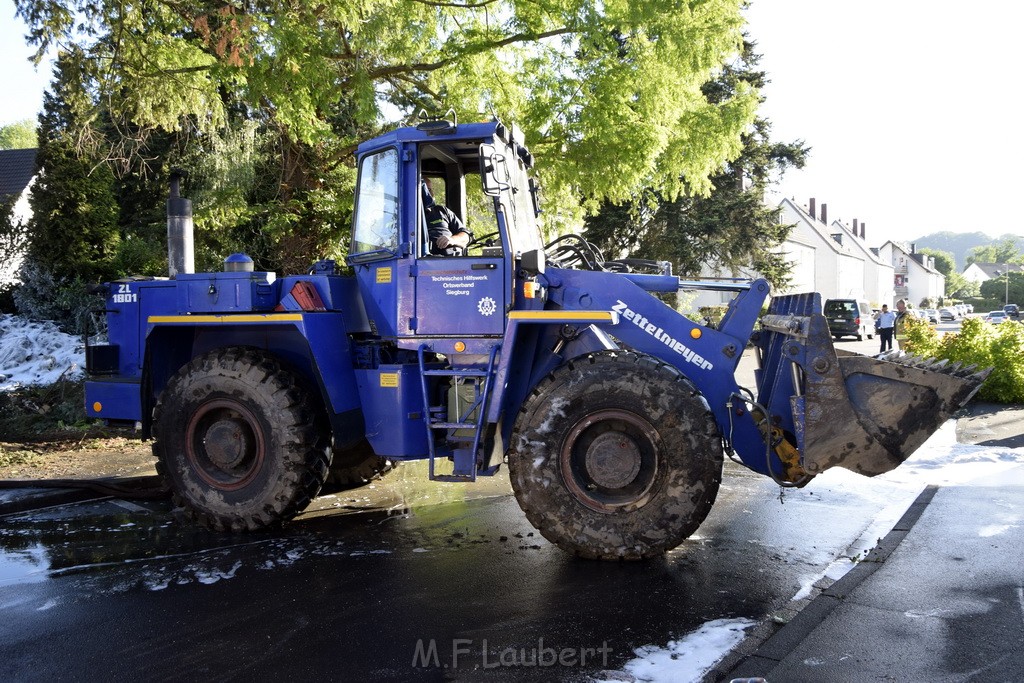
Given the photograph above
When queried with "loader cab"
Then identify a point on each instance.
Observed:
(479, 171)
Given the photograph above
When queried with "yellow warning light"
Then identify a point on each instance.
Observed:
(530, 290)
(97, 407)
(460, 346)
(695, 333)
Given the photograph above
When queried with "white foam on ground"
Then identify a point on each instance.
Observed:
(37, 353)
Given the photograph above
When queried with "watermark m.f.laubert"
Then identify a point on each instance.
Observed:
(469, 653)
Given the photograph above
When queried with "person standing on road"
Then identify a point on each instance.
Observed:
(885, 324)
(900, 327)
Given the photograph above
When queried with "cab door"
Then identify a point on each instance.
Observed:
(465, 296)
(460, 295)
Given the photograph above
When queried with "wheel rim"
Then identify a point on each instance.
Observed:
(609, 460)
(225, 445)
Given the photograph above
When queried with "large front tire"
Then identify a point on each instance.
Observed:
(616, 456)
(239, 440)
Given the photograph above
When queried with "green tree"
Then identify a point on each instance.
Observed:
(731, 226)
(18, 135)
(1001, 289)
(1003, 251)
(73, 230)
(609, 93)
(945, 263)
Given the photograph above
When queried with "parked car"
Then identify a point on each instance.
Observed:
(947, 314)
(970, 308)
(1012, 311)
(849, 317)
(933, 315)
(996, 317)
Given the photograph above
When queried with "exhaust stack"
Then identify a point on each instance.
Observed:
(180, 244)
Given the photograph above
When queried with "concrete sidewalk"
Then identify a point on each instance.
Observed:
(940, 598)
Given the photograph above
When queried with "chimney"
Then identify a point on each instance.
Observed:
(824, 214)
(863, 231)
(180, 246)
(855, 230)
(811, 209)
(913, 248)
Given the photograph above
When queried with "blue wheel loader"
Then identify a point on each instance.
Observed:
(611, 410)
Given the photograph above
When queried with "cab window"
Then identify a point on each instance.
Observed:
(376, 206)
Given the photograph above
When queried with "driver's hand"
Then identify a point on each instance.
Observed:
(442, 242)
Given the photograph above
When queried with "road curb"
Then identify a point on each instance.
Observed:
(780, 644)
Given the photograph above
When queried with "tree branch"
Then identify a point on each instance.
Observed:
(460, 5)
(470, 50)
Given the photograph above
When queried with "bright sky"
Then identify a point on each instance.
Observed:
(23, 84)
(910, 107)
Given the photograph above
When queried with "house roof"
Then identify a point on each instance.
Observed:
(990, 268)
(855, 240)
(906, 249)
(822, 230)
(17, 166)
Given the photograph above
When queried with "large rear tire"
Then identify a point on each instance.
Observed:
(616, 456)
(239, 440)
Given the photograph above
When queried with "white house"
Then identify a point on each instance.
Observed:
(981, 272)
(831, 259)
(838, 265)
(878, 274)
(17, 171)
(915, 277)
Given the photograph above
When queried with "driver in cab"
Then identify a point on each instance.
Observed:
(448, 235)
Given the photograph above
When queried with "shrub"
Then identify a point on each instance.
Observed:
(7, 304)
(32, 412)
(922, 339)
(978, 343)
(44, 296)
(712, 314)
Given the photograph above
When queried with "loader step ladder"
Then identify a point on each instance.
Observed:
(464, 456)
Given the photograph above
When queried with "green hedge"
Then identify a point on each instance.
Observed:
(978, 343)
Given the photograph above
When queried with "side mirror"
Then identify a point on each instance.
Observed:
(494, 175)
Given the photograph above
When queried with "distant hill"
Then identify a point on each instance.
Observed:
(960, 243)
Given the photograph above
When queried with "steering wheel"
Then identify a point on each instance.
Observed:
(483, 239)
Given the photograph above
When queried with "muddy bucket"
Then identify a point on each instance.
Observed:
(866, 414)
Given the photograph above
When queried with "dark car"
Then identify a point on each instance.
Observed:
(1012, 311)
(849, 318)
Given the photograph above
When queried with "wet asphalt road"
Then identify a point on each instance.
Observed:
(115, 590)
(404, 581)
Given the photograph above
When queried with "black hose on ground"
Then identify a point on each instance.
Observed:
(131, 488)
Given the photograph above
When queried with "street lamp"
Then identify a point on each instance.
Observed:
(1006, 279)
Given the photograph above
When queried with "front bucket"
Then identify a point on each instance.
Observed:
(868, 414)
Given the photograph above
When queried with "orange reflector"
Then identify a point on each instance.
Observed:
(695, 333)
(97, 407)
(460, 346)
(530, 290)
